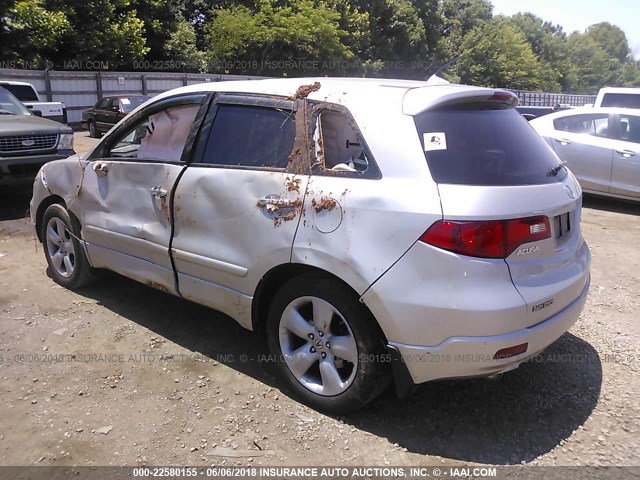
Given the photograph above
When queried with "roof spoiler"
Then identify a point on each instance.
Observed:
(419, 99)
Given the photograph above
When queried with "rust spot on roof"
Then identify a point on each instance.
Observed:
(305, 90)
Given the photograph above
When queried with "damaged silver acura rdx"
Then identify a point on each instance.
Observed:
(372, 230)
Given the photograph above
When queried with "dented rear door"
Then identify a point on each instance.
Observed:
(238, 204)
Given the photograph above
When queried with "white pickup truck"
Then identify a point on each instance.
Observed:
(28, 95)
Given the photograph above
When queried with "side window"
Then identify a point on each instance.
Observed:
(113, 103)
(250, 136)
(102, 104)
(630, 128)
(339, 146)
(592, 124)
(160, 136)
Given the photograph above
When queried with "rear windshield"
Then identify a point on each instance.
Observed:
(476, 146)
(22, 92)
(628, 100)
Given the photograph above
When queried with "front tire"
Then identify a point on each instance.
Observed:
(329, 347)
(68, 264)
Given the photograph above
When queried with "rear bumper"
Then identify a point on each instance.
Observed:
(459, 357)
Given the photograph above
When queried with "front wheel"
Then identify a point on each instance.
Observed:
(329, 347)
(68, 264)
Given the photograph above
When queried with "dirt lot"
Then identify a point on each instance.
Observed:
(175, 383)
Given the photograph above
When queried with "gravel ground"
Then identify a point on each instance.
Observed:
(168, 383)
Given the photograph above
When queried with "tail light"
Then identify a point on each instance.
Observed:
(486, 239)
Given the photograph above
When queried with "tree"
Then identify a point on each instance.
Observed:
(497, 54)
(549, 43)
(611, 39)
(594, 67)
(34, 32)
(459, 18)
(181, 49)
(277, 32)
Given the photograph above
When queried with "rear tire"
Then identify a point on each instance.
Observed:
(68, 264)
(328, 346)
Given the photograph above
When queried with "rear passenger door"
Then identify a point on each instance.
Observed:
(625, 176)
(238, 204)
(581, 141)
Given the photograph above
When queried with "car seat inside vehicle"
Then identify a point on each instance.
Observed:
(339, 143)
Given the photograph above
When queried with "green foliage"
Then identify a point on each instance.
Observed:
(181, 49)
(495, 53)
(459, 18)
(30, 24)
(594, 67)
(399, 38)
(276, 32)
(611, 39)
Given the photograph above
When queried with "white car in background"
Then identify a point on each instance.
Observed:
(601, 146)
(370, 229)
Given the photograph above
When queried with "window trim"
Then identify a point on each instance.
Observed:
(201, 98)
(245, 100)
(372, 173)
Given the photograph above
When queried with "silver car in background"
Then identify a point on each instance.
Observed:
(370, 229)
(601, 146)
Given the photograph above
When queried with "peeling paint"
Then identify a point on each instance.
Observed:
(157, 286)
(305, 90)
(293, 184)
(325, 203)
(292, 211)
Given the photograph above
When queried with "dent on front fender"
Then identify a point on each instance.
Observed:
(62, 178)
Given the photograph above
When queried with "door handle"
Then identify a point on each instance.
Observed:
(158, 192)
(626, 153)
(101, 169)
(563, 141)
(274, 201)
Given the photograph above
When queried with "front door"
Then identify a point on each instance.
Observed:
(125, 196)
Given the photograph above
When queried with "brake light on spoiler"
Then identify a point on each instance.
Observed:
(486, 239)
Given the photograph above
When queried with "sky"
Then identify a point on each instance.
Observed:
(579, 14)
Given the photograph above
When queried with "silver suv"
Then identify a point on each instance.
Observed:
(370, 229)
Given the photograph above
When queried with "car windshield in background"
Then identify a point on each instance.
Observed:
(624, 100)
(476, 146)
(23, 92)
(131, 103)
(9, 105)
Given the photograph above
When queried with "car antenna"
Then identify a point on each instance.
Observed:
(448, 64)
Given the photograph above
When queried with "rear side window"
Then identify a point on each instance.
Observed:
(591, 124)
(250, 136)
(621, 100)
(475, 146)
